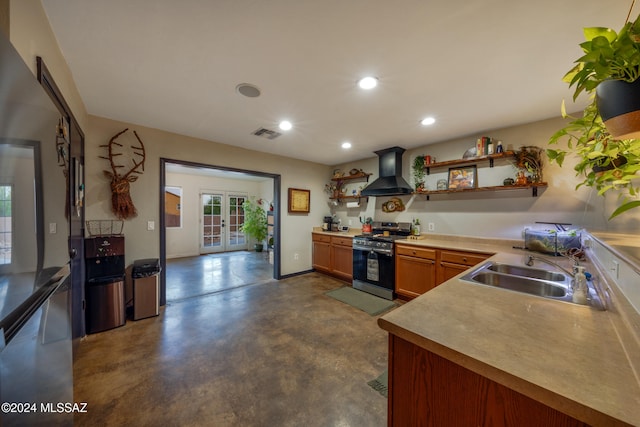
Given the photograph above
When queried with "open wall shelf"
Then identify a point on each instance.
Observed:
(533, 186)
(491, 158)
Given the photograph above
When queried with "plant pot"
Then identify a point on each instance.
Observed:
(601, 167)
(258, 247)
(618, 103)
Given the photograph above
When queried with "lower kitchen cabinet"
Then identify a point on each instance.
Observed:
(420, 269)
(333, 255)
(321, 252)
(342, 257)
(428, 390)
(415, 270)
(453, 263)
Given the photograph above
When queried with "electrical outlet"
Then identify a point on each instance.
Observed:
(350, 223)
(151, 225)
(53, 228)
(296, 256)
(431, 226)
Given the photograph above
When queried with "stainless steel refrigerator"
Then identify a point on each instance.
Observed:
(36, 376)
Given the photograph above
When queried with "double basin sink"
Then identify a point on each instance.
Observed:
(543, 283)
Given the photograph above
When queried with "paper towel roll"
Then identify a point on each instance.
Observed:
(353, 205)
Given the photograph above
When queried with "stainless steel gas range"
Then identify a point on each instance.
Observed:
(374, 265)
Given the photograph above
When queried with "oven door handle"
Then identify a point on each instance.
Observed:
(388, 253)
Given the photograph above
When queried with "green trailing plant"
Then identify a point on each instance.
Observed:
(255, 221)
(590, 141)
(418, 172)
(608, 55)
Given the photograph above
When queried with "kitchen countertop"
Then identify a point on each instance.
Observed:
(567, 356)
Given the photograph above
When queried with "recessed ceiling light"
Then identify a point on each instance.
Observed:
(346, 145)
(285, 125)
(428, 121)
(248, 90)
(368, 83)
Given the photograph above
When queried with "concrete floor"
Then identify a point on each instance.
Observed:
(200, 275)
(275, 353)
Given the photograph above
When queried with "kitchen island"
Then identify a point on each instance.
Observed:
(469, 354)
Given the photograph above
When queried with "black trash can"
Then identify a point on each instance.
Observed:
(146, 288)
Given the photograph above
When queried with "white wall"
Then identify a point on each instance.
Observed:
(497, 214)
(185, 240)
(141, 243)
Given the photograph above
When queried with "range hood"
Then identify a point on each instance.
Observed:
(390, 182)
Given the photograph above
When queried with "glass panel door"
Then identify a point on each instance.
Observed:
(211, 223)
(5, 225)
(236, 240)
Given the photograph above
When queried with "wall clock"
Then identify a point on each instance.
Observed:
(299, 200)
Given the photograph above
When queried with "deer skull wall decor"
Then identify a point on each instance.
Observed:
(121, 203)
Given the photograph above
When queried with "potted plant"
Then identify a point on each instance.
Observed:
(255, 223)
(418, 173)
(608, 156)
(611, 66)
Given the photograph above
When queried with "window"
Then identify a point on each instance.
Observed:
(173, 206)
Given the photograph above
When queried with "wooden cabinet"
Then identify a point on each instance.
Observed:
(342, 257)
(333, 255)
(415, 270)
(420, 269)
(428, 390)
(453, 263)
(321, 252)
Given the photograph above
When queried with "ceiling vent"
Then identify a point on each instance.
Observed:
(266, 133)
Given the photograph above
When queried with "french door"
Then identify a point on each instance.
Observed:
(222, 216)
(6, 226)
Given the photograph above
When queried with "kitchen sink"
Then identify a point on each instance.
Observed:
(521, 284)
(534, 273)
(533, 281)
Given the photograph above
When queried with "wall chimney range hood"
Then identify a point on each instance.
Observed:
(390, 182)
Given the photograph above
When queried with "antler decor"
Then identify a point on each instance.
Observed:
(121, 203)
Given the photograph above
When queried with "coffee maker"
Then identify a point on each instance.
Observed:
(327, 223)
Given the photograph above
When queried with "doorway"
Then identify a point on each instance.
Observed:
(218, 219)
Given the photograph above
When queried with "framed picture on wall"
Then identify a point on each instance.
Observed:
(462, 178)
(299, 200)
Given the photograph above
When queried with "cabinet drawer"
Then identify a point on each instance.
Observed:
(316, 237)
(416, 252)
(465, 258)
(342, 241)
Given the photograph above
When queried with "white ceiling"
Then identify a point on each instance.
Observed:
(474, 65)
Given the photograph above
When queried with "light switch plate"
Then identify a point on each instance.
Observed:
(151, 225)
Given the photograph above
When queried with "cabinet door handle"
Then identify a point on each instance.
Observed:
(464, 259)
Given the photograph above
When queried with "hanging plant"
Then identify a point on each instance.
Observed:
(600, 157)
(603, 138)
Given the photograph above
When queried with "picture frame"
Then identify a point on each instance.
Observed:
(299, 200)
(462, 178)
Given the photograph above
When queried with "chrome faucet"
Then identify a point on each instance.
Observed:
(530, 259)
